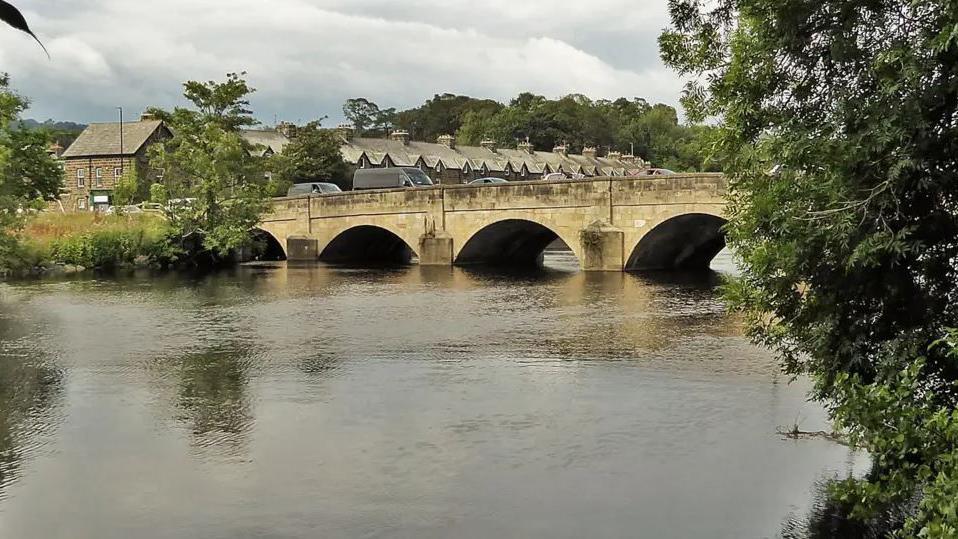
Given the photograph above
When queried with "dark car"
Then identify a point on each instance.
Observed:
(390, 178)
(312, 189)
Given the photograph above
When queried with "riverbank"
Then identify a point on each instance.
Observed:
(56, 244)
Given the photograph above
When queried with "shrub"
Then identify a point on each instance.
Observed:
(99, 241)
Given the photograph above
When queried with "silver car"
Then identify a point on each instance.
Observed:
(489, 180)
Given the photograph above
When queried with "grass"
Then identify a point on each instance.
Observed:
(93, 240)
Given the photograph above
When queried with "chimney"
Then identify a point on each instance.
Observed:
(448, 141)
(628, 158)
(147, 116)
(615, 156)
(589, 151)
(55, 149)
(400, 135)
(489, 145)
(287, 129)
(345, 131)
(526, 147)
(561, 149)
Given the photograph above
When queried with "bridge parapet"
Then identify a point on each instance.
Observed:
(445, 219)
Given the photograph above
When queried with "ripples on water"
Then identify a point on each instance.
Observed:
(308, 401)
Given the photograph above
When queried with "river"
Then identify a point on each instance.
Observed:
(311, 401)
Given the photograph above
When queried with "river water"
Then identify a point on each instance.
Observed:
(310, 401)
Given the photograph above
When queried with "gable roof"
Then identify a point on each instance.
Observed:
(265, 140)
(464, 157)
(104, 139)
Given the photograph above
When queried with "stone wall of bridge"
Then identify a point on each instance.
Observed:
(670, 221)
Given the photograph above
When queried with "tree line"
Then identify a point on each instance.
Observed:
(651, 131)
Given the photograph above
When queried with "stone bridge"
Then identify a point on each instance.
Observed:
(611, 224)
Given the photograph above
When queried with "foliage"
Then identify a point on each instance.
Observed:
(94, 240)
(313, 156)
(216, 187)
(442, 115)
(367, 118)
(652, 132)
(127, 188)
(159, 194)
(849, 247)
(29, 177)
(63, 133)
(12, 16)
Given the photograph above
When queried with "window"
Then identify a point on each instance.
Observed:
(99, 177)
(117, 172)
(81, 178)
(81, 203)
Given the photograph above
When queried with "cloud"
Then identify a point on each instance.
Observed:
(306, 57)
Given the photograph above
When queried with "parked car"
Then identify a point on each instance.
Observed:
(389, 178)
(123, 209)
(316, 188)
(658, 172)
(489, 180)
(554, 177)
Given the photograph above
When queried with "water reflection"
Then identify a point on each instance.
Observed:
(212, 397)
(304, 401)
(828, 518)
(30, 394)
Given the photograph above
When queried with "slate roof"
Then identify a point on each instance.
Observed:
(267, 141)
(477, 157)
(104, 139)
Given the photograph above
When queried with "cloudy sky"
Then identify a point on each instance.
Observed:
(305, 57)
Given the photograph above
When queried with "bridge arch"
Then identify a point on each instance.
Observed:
(513, 242)
(367, 244)
(687, 241)
(267, 246)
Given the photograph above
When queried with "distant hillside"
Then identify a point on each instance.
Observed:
(64, 133)
(30, 123)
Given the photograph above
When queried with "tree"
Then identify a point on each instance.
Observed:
(127, 188)
(313, 156)
(217, 188)
(849, 248)
(441, 115)
(362, 113)
(30, 177)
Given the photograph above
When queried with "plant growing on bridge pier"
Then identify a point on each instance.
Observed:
(216, 187)
(851, 244)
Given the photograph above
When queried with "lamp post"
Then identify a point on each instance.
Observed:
(121, 140)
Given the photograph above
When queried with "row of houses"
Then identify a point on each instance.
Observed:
(104, 152)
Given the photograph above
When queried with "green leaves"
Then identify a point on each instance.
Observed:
(29, 176)
(313, 156)
(12, 16)
(849, 249)
(216, 187)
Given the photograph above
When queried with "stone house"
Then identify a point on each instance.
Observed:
(449, 163)
(101, 155)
